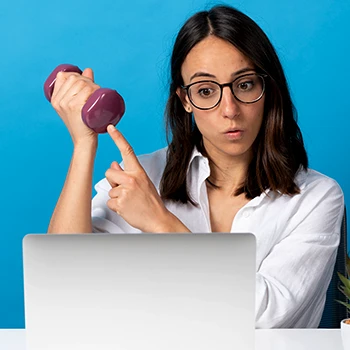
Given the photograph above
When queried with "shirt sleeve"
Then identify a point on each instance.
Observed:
(292, 281)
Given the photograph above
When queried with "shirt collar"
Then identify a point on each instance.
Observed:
(195, 154)
(300, 178)
(203, 171)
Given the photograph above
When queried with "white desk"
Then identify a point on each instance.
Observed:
(266, 339)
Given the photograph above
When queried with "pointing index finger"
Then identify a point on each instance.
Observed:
(130, 160)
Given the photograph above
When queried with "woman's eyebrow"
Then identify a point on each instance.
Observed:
(208, 75)
(202, 74)
(243, 70)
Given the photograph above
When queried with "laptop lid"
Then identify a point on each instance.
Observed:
(144, 291)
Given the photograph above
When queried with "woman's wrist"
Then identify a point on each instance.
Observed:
(86, 145)
(169, 223)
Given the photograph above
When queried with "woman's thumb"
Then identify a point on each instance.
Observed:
(88, 73)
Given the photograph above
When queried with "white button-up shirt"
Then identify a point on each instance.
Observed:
(296, 236)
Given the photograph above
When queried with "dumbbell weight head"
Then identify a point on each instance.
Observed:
(103, 107)
(50, 81)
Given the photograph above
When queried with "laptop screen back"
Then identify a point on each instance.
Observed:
(147, 291)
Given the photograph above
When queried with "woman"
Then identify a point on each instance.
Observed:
(235, 163)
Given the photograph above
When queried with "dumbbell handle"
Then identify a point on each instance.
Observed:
(103, 107)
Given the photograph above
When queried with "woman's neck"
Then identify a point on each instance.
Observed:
(227, 172)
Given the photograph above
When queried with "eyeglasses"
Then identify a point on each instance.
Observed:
(207, 94)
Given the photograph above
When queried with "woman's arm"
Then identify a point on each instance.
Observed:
(292, 280)
(72, 213)
(73, 210)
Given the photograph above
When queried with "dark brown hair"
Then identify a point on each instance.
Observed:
(278, 149)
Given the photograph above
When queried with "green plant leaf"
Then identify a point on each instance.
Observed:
(345, 281)
(347, 265)
(345, 291)
(342, 302)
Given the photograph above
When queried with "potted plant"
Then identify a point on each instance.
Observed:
(345, 289)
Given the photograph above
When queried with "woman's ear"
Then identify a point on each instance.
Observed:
(184, 100)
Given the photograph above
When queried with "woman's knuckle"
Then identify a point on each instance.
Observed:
(131, 181)
(55, 104)
(71, 104)
(110, 204)
(129, 150)
(60, 75)
(61, 105)
(72, 77)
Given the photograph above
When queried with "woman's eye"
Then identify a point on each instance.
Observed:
(205, 92)
(246, 85)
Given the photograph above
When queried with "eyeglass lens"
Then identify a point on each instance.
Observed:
(248, 89)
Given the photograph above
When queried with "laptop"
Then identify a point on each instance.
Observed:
(143, 291)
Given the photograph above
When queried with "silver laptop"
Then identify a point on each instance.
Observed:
(143, 291)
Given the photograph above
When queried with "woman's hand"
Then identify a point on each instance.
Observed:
(69, 96)
(133, 195)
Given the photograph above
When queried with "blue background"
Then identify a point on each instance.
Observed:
(128, 44)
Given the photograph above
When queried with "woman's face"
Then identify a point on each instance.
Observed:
(231, 127)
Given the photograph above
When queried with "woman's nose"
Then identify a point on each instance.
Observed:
(229, 105)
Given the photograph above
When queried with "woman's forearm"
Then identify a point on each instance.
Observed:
(72, 213)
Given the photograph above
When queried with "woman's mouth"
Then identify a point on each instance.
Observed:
(234, 134)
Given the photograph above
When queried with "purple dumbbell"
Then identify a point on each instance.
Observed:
(103, 107)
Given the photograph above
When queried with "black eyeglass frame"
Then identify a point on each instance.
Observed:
(230, 85)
